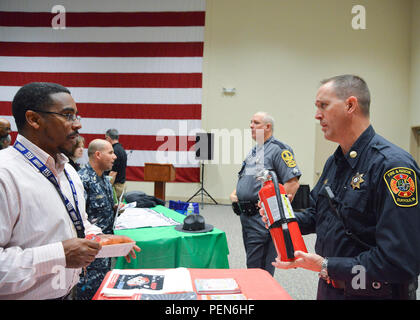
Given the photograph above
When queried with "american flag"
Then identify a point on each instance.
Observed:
(131, 65)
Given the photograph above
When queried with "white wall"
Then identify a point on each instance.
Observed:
(275, 53)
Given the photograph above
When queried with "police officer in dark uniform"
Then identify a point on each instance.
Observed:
(270, 154)
(364, 208)
(100, 210)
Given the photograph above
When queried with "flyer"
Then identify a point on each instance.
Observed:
(133, 218)
(127, 282)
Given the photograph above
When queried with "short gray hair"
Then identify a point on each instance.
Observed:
(112, 133)
(348, 85)
(267, 118)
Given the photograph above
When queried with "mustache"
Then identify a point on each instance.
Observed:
(73, 134)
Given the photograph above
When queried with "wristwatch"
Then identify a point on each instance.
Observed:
(323, 274)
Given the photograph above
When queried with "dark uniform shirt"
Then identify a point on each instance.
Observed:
(376, 191)
(120, 163)
(99, 200)
(100, 211)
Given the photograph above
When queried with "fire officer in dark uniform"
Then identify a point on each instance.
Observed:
(271, 154)
(365, 208)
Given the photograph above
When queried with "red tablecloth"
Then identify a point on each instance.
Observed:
(256, 284)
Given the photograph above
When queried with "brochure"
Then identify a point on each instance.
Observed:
(216, 286)
(129, 282)
(133, 218)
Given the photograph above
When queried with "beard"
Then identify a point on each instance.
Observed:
(68, 146)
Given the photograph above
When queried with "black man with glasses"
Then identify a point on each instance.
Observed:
(43, 221)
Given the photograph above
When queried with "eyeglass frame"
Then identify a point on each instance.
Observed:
(74, 117)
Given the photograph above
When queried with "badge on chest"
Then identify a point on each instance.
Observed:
(357, 180)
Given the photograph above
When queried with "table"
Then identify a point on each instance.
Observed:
(165, 247)
(255, 284)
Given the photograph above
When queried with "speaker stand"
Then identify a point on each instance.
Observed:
(202, 190)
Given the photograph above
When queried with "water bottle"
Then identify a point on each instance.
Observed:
(190, 209)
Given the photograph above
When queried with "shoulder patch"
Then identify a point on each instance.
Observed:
(402, 184)
(287, 157)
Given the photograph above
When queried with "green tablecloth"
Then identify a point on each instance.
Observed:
(165, 247)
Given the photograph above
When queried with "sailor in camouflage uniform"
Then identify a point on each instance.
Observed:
(100, 210)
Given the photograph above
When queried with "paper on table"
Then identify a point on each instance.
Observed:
(121, 207)
(127, 282)
(233, 296)
(133, 218)
(217, 286)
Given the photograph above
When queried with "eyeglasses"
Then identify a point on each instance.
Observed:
(71, 117)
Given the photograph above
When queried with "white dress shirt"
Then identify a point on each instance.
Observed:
(33, 223)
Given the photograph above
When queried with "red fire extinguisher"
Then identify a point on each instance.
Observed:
(281, 220)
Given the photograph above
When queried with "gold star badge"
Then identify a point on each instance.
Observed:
(357, 180)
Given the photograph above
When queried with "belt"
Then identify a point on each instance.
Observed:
(338, 284)
(248, 208)
(379, 289)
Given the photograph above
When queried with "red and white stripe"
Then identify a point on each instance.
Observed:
(133, 65)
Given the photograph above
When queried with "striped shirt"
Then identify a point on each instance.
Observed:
(33, 224)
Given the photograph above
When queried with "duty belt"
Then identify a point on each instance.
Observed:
(405, 291)
(248, 208)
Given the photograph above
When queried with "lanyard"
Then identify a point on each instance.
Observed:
(73, 213)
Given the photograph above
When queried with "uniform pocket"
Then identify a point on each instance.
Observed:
(355, 200)
(358, 218)
(99, 202)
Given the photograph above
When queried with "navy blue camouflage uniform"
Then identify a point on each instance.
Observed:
(278, 157)
(375, 188)
(100, 211)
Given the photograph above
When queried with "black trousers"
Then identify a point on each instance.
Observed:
(259, 246)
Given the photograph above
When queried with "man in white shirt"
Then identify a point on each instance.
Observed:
(42, 244)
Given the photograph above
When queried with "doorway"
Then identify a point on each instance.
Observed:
(415, 143)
